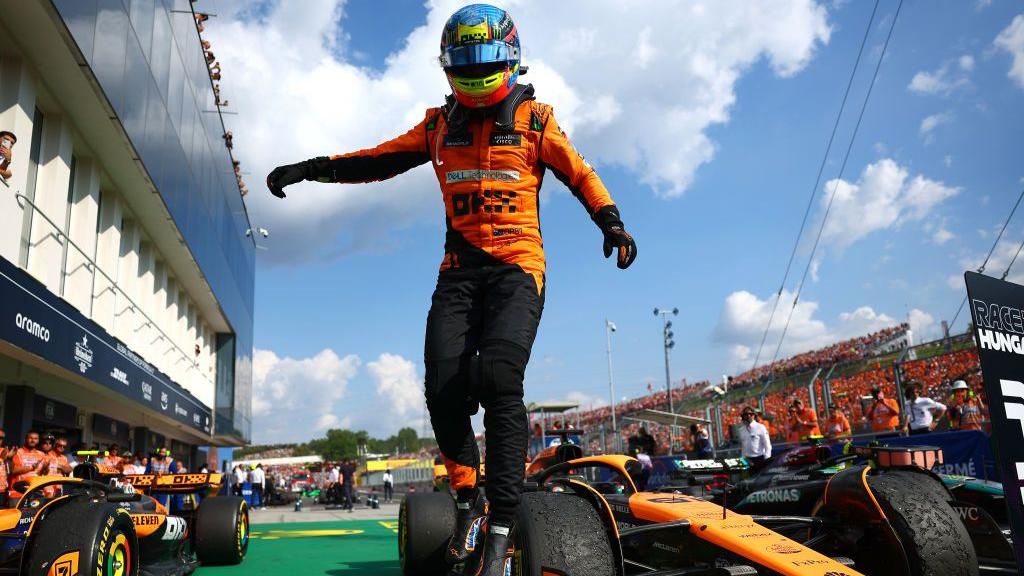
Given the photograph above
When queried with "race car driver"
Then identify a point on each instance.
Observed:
(489, 145)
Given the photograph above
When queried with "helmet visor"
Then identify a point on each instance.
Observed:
(474, 54)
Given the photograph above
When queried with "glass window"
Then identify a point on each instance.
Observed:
(133, 107)
(156, 120)
(30, 187)
(108, 50)
(141, 13)
(80, 18)
(175, 88)
(160, 55)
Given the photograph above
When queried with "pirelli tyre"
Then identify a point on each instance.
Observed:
(561, 533)
(83, 537)
(426, 522)
(934, 539)
(221, 531)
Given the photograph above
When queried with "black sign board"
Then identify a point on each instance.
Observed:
(53, 413)
(34, 319)
(997, 308)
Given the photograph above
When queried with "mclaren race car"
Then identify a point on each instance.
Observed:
(107, 524)
(795, 481)
(583, 516)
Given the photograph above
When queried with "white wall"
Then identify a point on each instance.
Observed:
(17, 106)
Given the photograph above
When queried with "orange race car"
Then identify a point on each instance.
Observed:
(584, 516)
(103, 523)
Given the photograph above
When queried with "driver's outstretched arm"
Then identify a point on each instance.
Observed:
(370, 165)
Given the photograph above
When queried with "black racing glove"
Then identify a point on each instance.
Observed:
(615, 236)
(314, 169)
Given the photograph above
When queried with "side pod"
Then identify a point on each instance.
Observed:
(848, 498)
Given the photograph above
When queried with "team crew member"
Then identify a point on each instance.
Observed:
(162, 463)
(28, 461)
(884, 413)
(489, 146)
(805, 420)
(967, 410)
(389, 485)
(923, 413)
(755, 445)
(113, 459)
(258, 479)
(59, 464)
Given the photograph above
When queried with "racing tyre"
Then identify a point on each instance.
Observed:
(933, 536)
(80, 535)
(561, 534)
(425, 524)
(222, 530)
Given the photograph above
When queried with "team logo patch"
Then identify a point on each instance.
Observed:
(784, 548)
(457, 176)
(458, 140)
(506, 139)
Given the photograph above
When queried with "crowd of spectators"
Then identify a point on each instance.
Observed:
(215, 75)
(787, 412)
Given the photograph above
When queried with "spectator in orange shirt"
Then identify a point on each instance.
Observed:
(884, 413)
(792, 428)
(59, 465)
(28, 461)
(806, 420)
(838, 425)
(113, 459)
(4, 454)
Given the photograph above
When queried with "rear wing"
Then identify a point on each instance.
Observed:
(175, 483)
(721, 466)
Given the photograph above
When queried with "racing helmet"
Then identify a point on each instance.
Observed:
(480, 55)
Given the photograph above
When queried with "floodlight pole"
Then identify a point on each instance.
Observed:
(609, 327)
(668, 343)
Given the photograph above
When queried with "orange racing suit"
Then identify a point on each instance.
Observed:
(490, 174)
(485, 311)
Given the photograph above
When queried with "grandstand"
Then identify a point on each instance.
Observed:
(840, 375)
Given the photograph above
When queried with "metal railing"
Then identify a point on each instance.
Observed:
(113, 286)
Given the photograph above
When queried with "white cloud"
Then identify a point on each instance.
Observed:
(883, 197)
(941, 236)
(951, 76)
(744, 316)
(930, 123)
(924, 326)
(1004, 253)
(400, 386)
(1011, 40)
(295, 399)
(300, 96)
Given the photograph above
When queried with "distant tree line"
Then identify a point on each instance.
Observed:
(344, 444)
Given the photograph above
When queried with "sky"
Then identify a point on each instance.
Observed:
(706, 119)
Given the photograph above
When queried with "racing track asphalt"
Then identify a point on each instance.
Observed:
(326, 548)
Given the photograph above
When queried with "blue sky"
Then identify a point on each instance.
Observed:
(933, 172)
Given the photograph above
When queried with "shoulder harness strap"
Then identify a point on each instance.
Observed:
(506, 117)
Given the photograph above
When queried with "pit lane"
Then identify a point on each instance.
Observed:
(319, 541)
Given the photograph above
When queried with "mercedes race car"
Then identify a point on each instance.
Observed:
(795, 481)
(584, 516)
(106, 524)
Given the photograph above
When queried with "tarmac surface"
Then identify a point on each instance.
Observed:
(319, 542)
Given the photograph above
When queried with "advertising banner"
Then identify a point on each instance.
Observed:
(36, 320)
(996, 308)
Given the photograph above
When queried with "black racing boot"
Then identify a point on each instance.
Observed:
(497, 554)
(471, 511)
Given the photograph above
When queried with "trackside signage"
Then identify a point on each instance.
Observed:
(34, 319)
(998, 331)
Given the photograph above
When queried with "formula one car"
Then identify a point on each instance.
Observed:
(104, 523)
(795, 482)
(585, 517)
